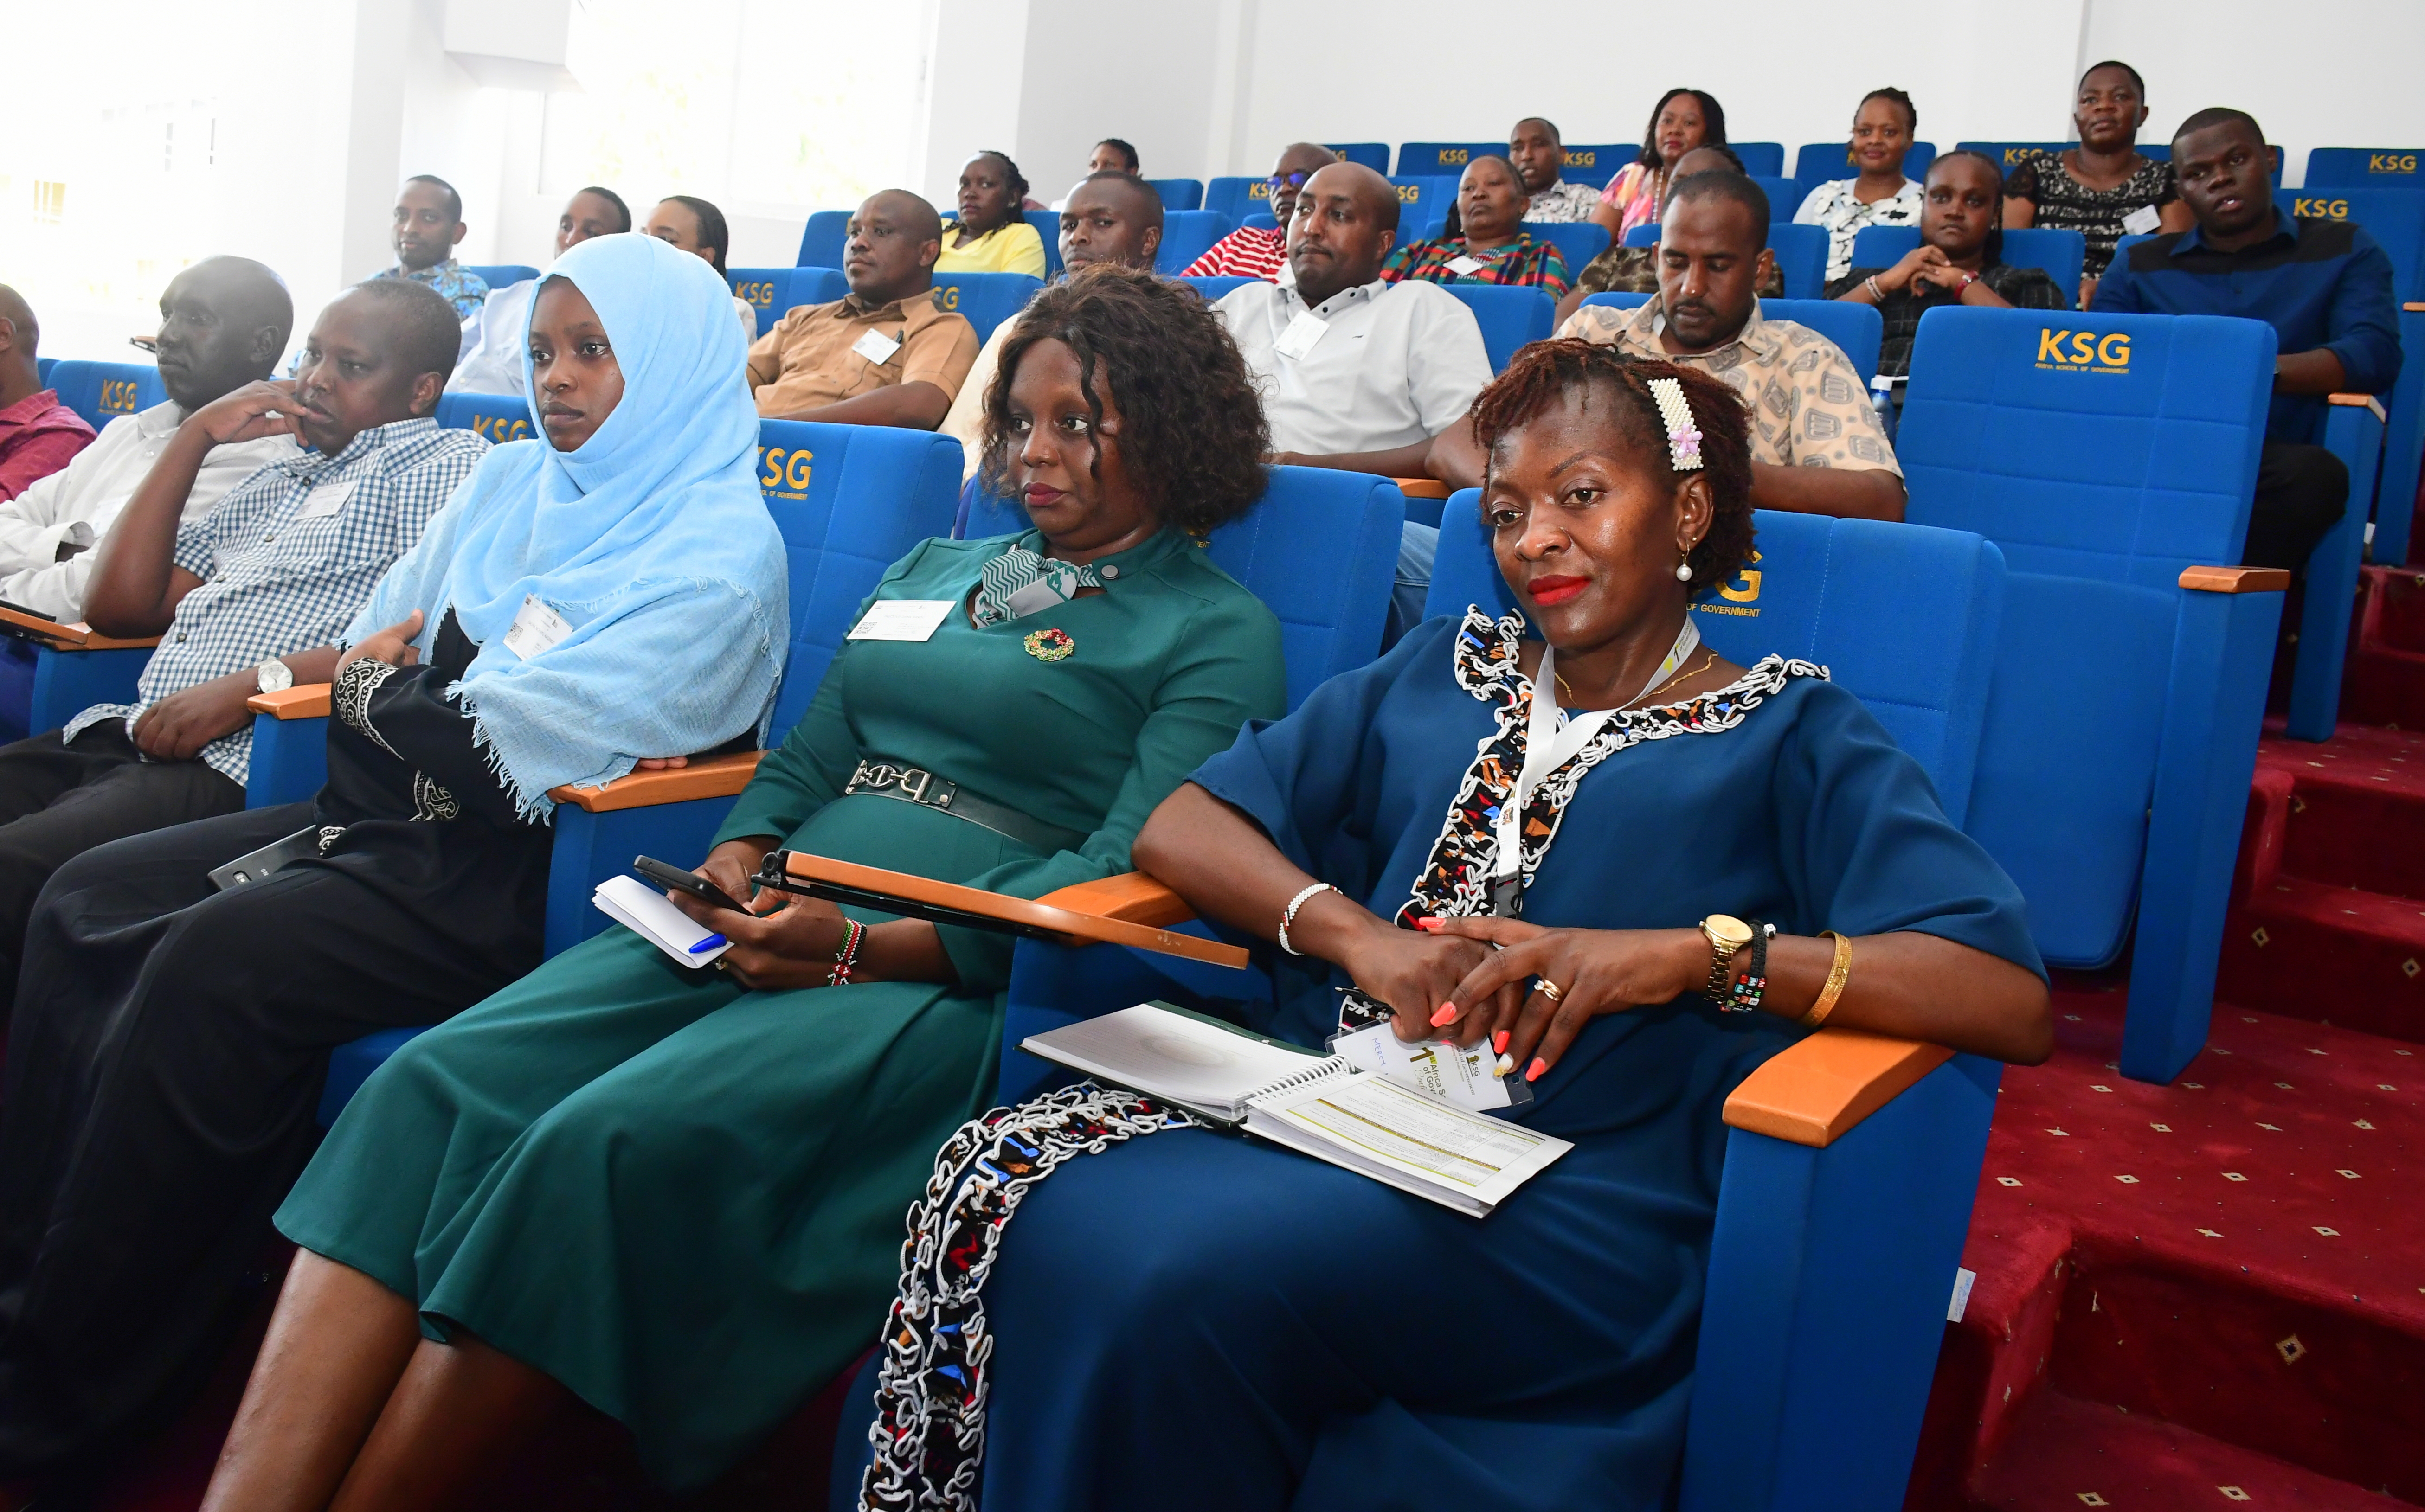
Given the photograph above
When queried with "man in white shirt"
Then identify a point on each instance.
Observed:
(1358, 374)
(223, 323)
(492, 357)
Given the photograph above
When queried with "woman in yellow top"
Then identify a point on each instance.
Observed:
(991, 236)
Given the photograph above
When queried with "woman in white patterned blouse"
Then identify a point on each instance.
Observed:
(1883, 128)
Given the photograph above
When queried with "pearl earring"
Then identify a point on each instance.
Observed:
(1684, 571)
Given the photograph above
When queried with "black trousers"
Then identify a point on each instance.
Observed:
(164, 1064)
(2300, 492)
(58, 801)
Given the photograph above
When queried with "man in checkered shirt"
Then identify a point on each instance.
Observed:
(248, 598)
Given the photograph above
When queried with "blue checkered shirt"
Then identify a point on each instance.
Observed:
(457, 284)
(274, 581)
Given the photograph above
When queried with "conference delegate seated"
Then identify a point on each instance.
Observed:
(690, 224)
(1622, 269)
(888, 352)
(1191, 1321)
(1879, 195)
(1680, 122)
(39, 435)
(1112, 216)
(428, 227)
(1816, 444)
(2102, 188)
(1262, 253)
(2325, 287)
(1958, 260)
(991, 236)
(1539, 154)
(1112, 155)
(612, 592)
(677, 1194)
(1484, 241)
(492, 339)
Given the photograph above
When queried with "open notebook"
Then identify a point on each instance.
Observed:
(1317, 1104)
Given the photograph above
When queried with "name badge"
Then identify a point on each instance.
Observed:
(1301, 335)
(326, 499)
(1463, 267)
(877, 347)
(537, 629)
(901, 619)
(2141, 220)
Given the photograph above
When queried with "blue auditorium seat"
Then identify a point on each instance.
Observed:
(1510, 316)
(986, 299)
(2060, 253)
(1262, 220)
(2010, 155)
(2371, 168)
(2113, 458)
(1801, 253)
(1762, 159)
(1187, 236)
(1238, 196)
(775, 292)
(1816, 163)
(1373, 155)
(1422, 204)
(821, 240)
(102, 392)
(1444, 159)
(42, 366)
(1212, 286)
(1047, 230)
(1597, 163)
(501, 275)
(1646, 235)
(1578, 241)
(1857, 330)
(1783, 196)
(495, 417)
(1179, 194)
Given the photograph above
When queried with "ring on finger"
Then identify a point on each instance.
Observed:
(1550, 990)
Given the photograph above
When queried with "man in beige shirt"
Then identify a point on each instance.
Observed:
(1816, 445)
(886, 354)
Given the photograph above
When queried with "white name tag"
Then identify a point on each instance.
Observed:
(1301, 335)
(877, 347)
(2141, 220)
(1463, 267)
(537, 629)
(901, 619)
(326, 499)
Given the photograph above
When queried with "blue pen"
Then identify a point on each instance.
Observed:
(709, 944)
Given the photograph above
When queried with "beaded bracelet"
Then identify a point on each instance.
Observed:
(847, 957)
(1753, 984)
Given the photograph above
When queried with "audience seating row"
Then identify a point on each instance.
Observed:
(2061, 253)
(1801, 253)
(1857, 329)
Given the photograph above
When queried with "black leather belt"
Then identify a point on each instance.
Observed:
(881, 777)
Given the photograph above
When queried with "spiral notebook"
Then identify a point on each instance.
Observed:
(1316, 1105)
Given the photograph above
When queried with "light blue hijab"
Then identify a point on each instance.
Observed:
(649, 539)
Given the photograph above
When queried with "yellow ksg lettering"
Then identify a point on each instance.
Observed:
(2014, 155)
(1452, 156)
(2320, 209)
(2114, 351)
(1746, 588)
(951, 296)
(1583, 160)
(2110, 352)
(1409, 193)
(2391, 163)
(118, 396)
(500, 429)
(775, 472)
(761, 293)
(1258, 190)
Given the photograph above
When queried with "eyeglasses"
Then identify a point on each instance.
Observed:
(1287, 180)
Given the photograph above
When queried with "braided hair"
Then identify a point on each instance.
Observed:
(1545, 373)
(1013, 184)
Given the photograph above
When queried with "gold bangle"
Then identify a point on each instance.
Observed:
(1837, 976)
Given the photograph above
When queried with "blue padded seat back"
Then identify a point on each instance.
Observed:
(1320, 549)
(1510, 316)
(1784, 194)
(775, 292)
(102, 392)
(1048, 230)
(1237, 195)
(986, 299)
(1578, 242)
(1646, 235)
(2068, 762)
(42, 366)
(1213, 286)
(2010, 155)
(821, 240)
(2118, 447)
(1596, 163)
(1187, 236)
(497, 417)
(1801, 253)
(2395, 217)
(1373, 155)
(850, 500)
(2386, 167)
(2061, 254)
(1443, 159)
(1762, 159)
(1905, 619)
(1816, 163)
(1857, 330)
(501, 275)
(1179, 194)
(1422, 204)
(1621, 301)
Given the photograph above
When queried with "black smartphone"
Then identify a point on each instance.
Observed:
(689, 882)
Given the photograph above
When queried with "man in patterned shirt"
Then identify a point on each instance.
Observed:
(249, 598)
(428, 224)
(1540, 156)
(1816, 445)
(1253, 252)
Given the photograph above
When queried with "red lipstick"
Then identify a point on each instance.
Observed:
(1555, 589)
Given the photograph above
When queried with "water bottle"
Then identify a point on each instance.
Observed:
(1881, 400)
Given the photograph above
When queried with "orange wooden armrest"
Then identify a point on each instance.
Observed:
(305, 700)
(1812, 1091)
(719, 777)
(2360, 400)
(49, 629)
(1072, 926)
(2236, 579)
(1132, 896)
(2413, 305)
(1422, 488)
(88, 639)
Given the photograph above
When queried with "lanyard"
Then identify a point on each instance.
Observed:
(1549, 746)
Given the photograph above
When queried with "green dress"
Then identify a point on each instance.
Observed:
(683, 1200)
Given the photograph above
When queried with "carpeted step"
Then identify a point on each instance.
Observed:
(2384, 683)
(2071, 1454)
(2334, 955)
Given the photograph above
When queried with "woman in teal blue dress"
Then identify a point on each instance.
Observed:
(676, 1193)
(1191, 1321)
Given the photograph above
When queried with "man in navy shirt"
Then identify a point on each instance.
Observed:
(2324, 286)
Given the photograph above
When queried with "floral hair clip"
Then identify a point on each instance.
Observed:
(1683, 436)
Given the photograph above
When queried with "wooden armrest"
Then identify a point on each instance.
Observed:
(1812, 1091)
(1422, 488)
(2236, 579)
(1132, 896)
(305, 700)
(719, 777)
(2360, 400)
(76, 636)
(2413, 305)
(1067, 926)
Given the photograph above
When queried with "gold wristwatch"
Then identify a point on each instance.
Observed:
(1727, 935)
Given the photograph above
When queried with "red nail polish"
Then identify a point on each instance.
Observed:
(1447, 1014)
(1426, 925)
(1533, 1072)
(1499, 1042)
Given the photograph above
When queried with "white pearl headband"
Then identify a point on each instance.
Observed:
(1683, 438)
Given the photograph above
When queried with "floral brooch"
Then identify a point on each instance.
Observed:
(1049, 645)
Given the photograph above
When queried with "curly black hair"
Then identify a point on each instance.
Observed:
(1191, 429)
(1545, 373)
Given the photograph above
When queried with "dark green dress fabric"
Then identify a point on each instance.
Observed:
(683, 1200)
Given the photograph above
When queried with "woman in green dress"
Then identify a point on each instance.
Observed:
(676, 1193)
